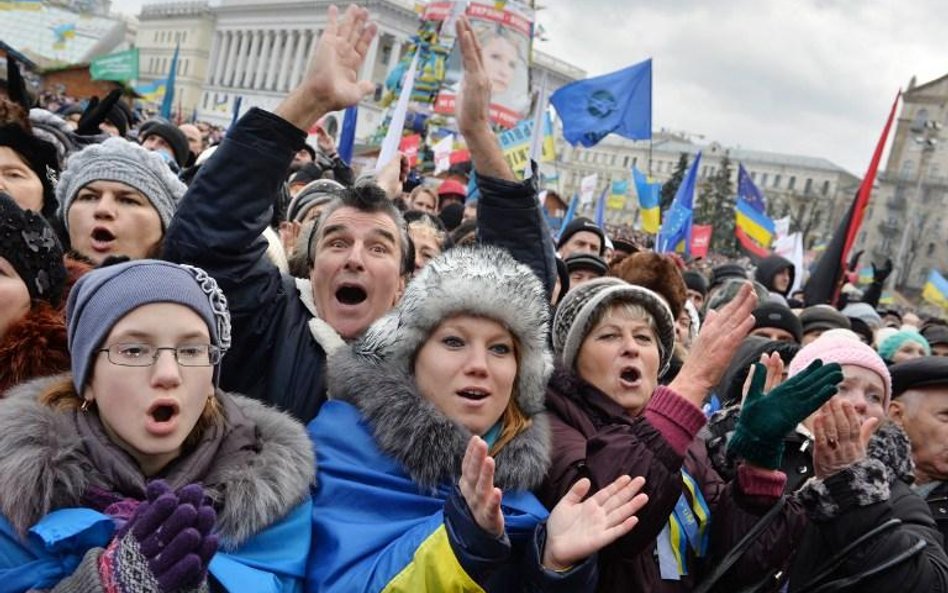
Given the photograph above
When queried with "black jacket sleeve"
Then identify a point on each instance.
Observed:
(510, 216)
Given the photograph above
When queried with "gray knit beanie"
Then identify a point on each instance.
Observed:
(315, 193)
(105, 295)
(123, 161)
(575, 315)
(483, 281)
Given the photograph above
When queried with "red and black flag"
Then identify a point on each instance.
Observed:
(827, 279)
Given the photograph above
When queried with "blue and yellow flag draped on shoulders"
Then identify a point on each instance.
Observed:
(649, 196)
(675, 234)
(616, 103)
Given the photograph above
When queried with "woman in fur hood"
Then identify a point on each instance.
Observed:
(134, 472)
(434, 437)
(32, 278)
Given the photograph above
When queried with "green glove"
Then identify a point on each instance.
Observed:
(767, 418)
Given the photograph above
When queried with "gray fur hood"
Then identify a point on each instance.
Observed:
(42, 454)
(428, 444)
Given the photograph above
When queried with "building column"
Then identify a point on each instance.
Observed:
(369, 66)
(222, 58)
(260, 72)
(282, 79)
(242, 53)
(247, 76)
(274, 60)
(395, 56)
(213, 57)
(299, 59)
(235, 40)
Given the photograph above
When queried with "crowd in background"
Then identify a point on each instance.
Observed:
(233, 363)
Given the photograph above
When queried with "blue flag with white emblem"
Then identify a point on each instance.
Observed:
(617, 103)
(675, 234)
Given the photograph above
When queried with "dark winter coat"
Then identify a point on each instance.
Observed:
(594, 437)
(937, 501)
(908, 557)
(276, 357)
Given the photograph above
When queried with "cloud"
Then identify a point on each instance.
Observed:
(814, 77)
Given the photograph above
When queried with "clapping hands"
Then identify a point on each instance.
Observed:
(577, 526)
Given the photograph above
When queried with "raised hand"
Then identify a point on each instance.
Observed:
(721, 335)
(472, 106)
(167, 542)
(577, 528)
(767, 418)
(325, 142)
(841, 437)
(332, 77)
(774, 375)
(477, 487)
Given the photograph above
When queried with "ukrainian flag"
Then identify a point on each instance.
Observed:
(648, 201)
(936, 289)
(152, 92)
(754, 223)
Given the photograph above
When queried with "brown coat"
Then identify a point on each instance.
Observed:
(593, 437)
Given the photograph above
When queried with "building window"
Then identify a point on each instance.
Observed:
(777, 181)
(612, 161)
(791, 182)
(625, 162)
(808, 186)
(184, 37)
(763, 179)
(826, 188)
(155, 38)
(921, 116)
(862, 237)
(907, 168)
(635, 161)
(754, 176)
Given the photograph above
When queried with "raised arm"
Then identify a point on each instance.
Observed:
(508, 212)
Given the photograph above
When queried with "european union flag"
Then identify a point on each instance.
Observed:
(676, 229)
(751, 212)
(620, 102)
(750, 192)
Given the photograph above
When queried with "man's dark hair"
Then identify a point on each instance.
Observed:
(371, 199)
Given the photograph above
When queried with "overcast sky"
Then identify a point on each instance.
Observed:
(810, 77)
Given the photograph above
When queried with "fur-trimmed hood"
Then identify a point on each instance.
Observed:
(33, 347)
(45, 465)
(375, 374)
(428, 444)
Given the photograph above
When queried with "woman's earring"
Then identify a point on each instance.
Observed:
(85, 405)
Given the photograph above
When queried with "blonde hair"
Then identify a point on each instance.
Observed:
(61, 396)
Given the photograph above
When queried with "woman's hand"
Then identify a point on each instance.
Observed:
(774, 365)
(721, 335)
(577, 528)
(477, 487)
(841, 437)
(473, 101)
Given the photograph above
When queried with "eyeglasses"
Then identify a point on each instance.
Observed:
(145, 355)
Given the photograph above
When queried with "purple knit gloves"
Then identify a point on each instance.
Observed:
(165, 547)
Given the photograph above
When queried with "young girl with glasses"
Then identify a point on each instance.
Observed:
(134, 472)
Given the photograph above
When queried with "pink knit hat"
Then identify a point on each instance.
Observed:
(842, 350)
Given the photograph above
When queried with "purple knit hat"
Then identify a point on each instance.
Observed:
(842, 350)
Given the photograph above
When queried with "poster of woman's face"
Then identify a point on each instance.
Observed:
(504, 37)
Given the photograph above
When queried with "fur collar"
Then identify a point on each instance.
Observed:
(34, 347)
(42, 453)
(323, 333)
(424, 441)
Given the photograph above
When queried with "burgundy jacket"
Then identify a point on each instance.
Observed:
(594, 437)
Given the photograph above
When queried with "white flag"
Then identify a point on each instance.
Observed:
(394, 135)
(587, 188)
(442, 153)
(781, 227)
(791, 247)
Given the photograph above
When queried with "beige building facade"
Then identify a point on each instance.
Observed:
(163, 26)
(907, 217)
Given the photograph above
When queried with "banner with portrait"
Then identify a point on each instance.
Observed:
(504, 33)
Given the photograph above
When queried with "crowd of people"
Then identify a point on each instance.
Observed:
(243, 367)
